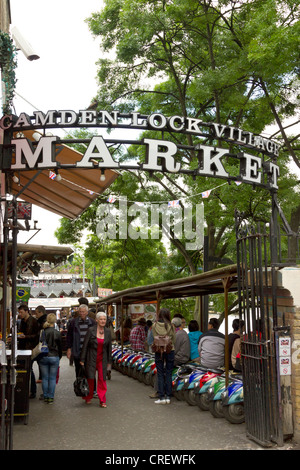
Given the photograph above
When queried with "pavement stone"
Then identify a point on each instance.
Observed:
(131, 422)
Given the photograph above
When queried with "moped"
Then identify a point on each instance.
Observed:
(233, 401)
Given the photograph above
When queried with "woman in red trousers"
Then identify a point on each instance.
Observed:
(96, 357)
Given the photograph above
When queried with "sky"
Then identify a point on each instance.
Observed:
(63, 78)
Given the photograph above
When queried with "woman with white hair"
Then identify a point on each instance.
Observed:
(96, 356)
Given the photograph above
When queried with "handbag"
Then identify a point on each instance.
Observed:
(41, 348)
(81, 385)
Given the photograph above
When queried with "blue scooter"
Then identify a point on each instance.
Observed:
(233, 401)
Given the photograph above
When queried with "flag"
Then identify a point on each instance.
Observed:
(111, 199)
(173, 203)
(206, 194)
(52, 175)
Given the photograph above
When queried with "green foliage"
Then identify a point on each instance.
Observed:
(8, 63)
(236, 63)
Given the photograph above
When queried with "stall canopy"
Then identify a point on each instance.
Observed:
(52, 254)
(30, 255)
(57, 303)
(70, 196)
(211, 282)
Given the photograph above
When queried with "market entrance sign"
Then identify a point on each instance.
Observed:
(161, 154)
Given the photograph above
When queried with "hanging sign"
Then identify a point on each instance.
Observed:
(161, 155)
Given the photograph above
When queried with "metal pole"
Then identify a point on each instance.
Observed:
(274, 234)
(4, 327)
(226, 283)
(205, 298)
(83, 275)
(122, 328)
(14, 323)
(94, 282)
(158, 299)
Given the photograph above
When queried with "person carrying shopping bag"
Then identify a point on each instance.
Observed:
(96, 356)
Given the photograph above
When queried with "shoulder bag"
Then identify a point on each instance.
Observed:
(41, 348)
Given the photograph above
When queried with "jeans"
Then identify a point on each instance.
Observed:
(49, 367)
(164, 366)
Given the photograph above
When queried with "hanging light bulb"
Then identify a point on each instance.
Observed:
(36, 136)
(58, 177)
(15, 179)
(102, 177)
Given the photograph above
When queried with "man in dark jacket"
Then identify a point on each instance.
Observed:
(76, 333)
(211, 346)
(41, 316)
(29, 329)
(28, 338)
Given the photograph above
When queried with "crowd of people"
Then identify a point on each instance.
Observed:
(89, 347)
(88, 342)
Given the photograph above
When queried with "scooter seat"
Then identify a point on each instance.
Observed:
(216, 371)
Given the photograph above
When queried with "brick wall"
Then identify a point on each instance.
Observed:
(289, 315)
(292, 318)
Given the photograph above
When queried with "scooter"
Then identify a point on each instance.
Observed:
(146, 370)
(233, 401)
(130, 364)
(180, 379)
(153, 374)
(201, 389)
(123, 362)
(214, 395)
(117, 358)
(190, 384)
(138, 371)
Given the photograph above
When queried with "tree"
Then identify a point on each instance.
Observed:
(223, 61)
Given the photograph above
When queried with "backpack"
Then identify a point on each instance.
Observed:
(162, 344)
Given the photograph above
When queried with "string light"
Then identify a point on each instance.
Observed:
(102, 177)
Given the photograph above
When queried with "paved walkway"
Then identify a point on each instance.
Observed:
(131, 421)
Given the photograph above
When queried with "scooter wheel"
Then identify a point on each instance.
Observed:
(152, 380)
(203, 401)
(139, 376)
(189, 397)
(147, 378)
(180, 395)
(216, 408)
(234, 413)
